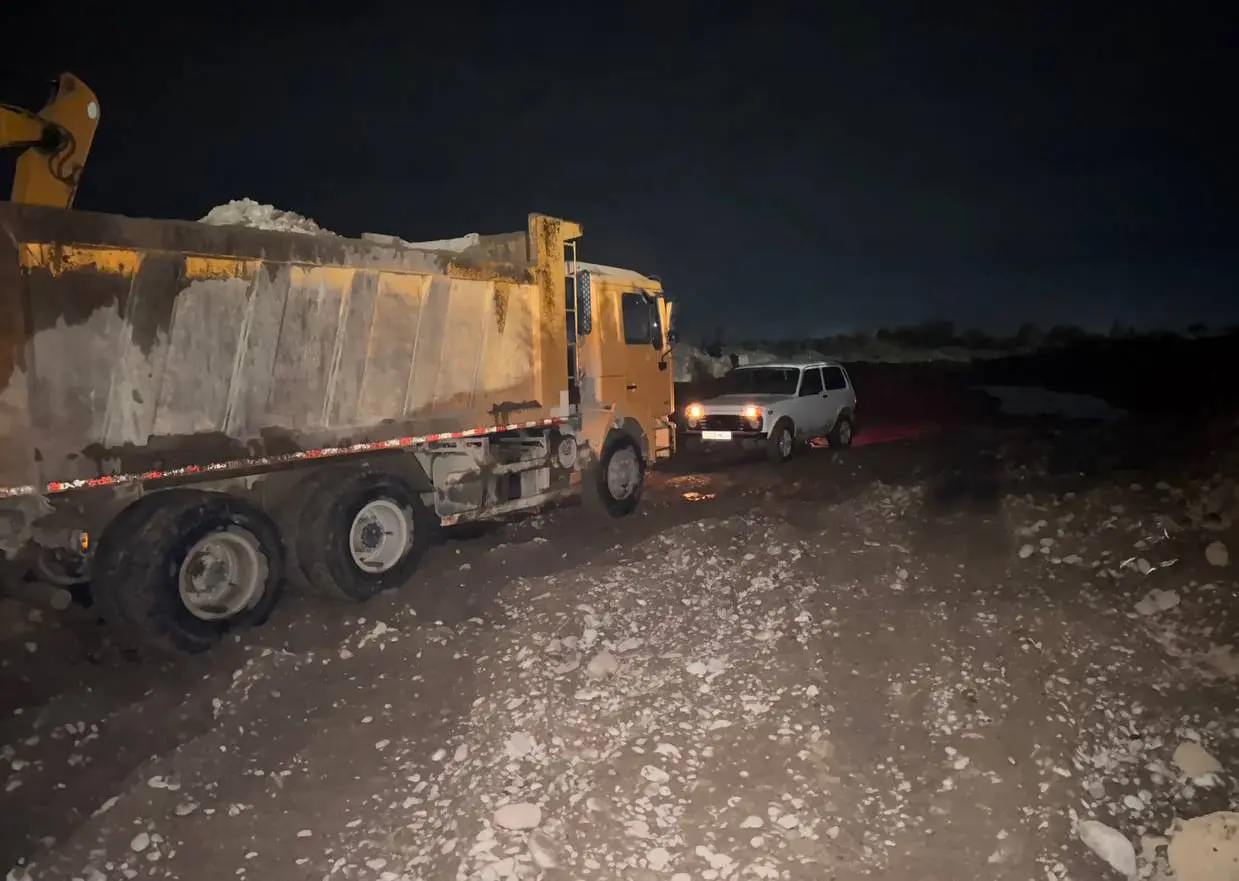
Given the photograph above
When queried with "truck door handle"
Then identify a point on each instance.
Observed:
(632, 386)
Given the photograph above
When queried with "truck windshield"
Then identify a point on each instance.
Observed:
(761, 381)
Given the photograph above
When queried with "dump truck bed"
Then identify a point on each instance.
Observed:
(129, 345)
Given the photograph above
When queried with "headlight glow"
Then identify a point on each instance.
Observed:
(694, 413)
(752, 415)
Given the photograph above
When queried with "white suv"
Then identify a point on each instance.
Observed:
(777, 404)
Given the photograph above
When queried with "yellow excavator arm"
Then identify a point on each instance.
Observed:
(54, 143)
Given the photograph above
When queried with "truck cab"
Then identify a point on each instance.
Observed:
(618, 338)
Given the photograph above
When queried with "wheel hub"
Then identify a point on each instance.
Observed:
(623, 473)
(223, 574)
(381, 535)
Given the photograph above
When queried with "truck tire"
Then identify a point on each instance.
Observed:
(841, 435)
(616, 482)
(362, 532)
(179, 569)
(781, 441)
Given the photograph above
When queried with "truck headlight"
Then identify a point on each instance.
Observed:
(694, 413)
(752, 415)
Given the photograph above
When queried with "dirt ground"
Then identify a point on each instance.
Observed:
(928, 657)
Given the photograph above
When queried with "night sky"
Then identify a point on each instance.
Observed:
(785, 173)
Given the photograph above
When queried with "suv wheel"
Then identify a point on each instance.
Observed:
(841, 435)
(781, 442)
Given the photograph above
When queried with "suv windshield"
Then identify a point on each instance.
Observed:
(761, 381)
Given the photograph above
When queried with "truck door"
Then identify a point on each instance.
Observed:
(648, 386)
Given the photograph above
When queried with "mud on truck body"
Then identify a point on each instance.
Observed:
(192, 415)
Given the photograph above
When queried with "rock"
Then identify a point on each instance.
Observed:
(789, 821)
(602, 665)
(1217, 554)
(185, 808)
(522, 815)
(545, 850)
(1193, 761)
(1157, 600)
(631, 644)
(1206, 848)
(1110, 845)
(140, 842)
(752, 822)
(637, 829)
(654, 774)
(658, 858)
(519, 745)
(1026, 551)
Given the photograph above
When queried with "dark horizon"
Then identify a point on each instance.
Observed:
(784, 176)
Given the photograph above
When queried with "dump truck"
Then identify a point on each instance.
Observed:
(193, 415)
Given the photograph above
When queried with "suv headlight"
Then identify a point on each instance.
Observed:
(693, 414)
(752, 415)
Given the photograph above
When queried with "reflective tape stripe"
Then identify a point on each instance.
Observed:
(59, 486)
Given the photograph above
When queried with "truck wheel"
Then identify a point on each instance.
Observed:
(615, 484)
(841, 435)
(780, 442)
(180, 568)
(363, 532)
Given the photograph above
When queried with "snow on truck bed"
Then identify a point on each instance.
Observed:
(247, 212)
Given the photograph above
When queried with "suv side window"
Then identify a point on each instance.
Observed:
(834, 378)
(811, 383)
(641, 324)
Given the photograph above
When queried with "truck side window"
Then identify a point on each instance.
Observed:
(637, 324)
(811, 384)
(834, 378)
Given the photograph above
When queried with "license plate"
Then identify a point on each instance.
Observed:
(716, 435)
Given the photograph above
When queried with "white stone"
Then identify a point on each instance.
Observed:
(789, 821)
(1157, 600)
(140, 842)
(1026, 551)
(522, 815)
(637, 829)
(655, 774)
(1217, 554)
(666, 749)
(752, 822)
(1193, 761)
(519, 745)
(1206, 848)
(602, 665)
(658, 858)
(1109, 844)
(544, 849)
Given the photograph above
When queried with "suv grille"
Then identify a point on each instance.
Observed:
(721, 422)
